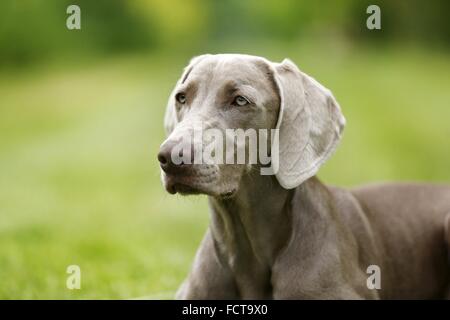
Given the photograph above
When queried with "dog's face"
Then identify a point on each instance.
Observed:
(220, 92)
(223, 92)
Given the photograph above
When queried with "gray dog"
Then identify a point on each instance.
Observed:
(287, 235)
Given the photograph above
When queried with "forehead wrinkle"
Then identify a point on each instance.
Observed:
(186, 75)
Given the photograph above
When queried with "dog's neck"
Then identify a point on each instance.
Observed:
(256, 222)
(251, 229)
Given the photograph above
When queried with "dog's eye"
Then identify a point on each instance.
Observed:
(240, 101)
(181, 98)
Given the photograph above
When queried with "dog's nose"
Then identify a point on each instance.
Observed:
(165, 158)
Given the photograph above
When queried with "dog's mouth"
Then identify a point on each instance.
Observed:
(193, 185)
(182, 189)
(184, 185)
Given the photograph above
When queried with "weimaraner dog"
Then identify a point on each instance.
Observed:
(286, 235)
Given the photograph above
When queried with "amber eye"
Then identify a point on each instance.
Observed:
(181, 98)
(240, 101)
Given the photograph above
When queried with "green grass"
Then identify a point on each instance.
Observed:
(79, 180)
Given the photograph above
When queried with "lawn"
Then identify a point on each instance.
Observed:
(79, 180)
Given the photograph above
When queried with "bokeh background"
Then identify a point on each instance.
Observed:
(81, 122)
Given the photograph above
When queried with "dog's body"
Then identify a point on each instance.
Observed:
(316, 242)
(289, 236)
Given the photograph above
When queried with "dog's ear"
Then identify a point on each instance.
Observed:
(310, 124)
(170, 118)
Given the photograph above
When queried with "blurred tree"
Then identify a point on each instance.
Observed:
(34, 29)
(404, 20)
(177, 23)
(31, 30)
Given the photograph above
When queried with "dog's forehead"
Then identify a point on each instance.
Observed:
(229, 66)
(214, 72)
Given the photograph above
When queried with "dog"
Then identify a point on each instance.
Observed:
(287, 235)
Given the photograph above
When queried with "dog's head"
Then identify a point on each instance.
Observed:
(229, 94)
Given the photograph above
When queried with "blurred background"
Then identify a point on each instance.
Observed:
(81, 122)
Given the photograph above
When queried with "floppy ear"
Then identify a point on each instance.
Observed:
(170, 118)
(310, 124)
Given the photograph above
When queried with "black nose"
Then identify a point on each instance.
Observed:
(165, 158)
